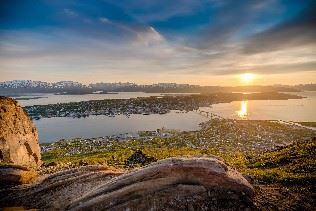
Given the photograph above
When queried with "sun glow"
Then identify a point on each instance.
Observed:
(247, 77)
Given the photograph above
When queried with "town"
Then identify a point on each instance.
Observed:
(222, 137)
(99, 144)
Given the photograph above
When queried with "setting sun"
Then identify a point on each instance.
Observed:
(247, 77)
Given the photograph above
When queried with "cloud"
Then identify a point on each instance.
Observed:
(73, 52)
(105, 20)
(70, 13)
(145, 11)
(144, 38)
(298, 31)
(286, 47)
(230, 19)
(149, 36)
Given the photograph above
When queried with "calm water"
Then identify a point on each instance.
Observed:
(288, 110)
(52, 129)
(53, 99)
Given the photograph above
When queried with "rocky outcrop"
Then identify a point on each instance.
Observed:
(55, 191)
(172, 184)
(139, 157)
(18, 137)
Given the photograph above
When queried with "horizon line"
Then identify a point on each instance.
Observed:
(140, 84)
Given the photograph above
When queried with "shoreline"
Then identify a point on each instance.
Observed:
(252, 136)
(118, 136)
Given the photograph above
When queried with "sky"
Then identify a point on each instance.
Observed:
(206, 42)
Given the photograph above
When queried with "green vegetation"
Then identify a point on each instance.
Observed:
(294, 164)
(291, 165)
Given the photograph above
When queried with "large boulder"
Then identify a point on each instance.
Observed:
(18, 136)
(55, 191)
(172, 184)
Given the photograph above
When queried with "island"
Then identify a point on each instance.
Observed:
(145, 105)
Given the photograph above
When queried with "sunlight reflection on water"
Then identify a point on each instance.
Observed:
(243, 112)
(298, 110)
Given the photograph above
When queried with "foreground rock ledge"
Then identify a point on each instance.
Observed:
(172, 184)
(55, 191)
(11, 175)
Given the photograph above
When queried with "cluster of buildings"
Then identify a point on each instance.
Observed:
(99, 144)
(249, 135)
(112, 86)
(173, 85)
(120, 85)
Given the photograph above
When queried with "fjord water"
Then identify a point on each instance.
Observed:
(298, 110)
(52, 129)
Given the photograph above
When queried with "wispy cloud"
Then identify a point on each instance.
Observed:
(182, 38)
(104, 20)
(70, 13)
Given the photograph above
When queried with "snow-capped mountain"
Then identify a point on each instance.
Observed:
(40, 84)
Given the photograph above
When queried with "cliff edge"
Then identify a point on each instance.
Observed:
(18, 136)
(19, 149)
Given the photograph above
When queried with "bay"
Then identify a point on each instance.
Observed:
(53, 129)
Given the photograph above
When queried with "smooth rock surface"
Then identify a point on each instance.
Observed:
(56, 191)
(18, 136)
(172, 184)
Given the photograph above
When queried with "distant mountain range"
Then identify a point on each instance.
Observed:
(15, 84)
(69, 87)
